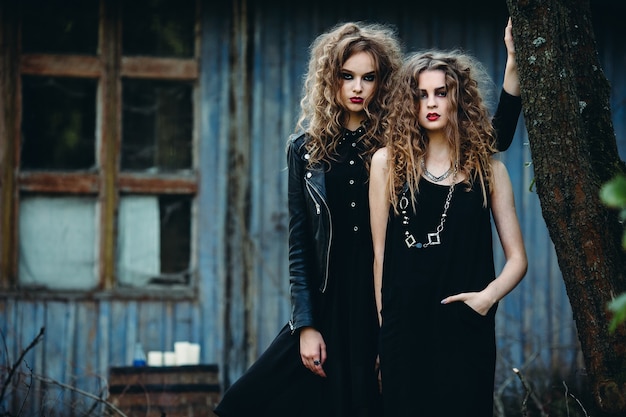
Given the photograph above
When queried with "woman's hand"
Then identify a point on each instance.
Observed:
(508, 37)
(478, 301)
(511, 75)
(313, 350)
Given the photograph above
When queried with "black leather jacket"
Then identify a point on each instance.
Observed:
(310, 233)
(310, 221)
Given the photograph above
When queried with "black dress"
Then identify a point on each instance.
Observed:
(278, 384)
(438, 360)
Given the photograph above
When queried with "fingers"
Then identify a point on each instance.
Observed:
(474, 300)
(456, 297)
(508, 37)
(313, 351)
(453, 298)
(314, 365)
(322, 353)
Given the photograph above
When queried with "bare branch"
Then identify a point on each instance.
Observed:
(33, 343)
(529, 394)
(81, 392)
(569, 394)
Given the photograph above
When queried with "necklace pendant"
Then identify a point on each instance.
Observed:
(433, 239)
(409, 241)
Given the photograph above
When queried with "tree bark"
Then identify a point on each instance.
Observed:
(567, 112)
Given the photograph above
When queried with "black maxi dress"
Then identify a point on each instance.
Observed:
(438, 360)
(277, 384)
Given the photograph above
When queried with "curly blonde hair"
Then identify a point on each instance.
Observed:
(322, 115)
(470, 132)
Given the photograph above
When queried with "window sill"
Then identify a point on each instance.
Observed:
(161, 293)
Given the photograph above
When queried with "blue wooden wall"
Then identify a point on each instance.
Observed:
(252, 61)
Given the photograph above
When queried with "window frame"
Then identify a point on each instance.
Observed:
(108, 182)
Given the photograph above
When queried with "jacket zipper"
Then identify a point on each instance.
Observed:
(311, 188)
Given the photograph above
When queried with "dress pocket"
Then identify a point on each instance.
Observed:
(472, 317)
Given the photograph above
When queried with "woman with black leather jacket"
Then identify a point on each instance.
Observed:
(323, 362)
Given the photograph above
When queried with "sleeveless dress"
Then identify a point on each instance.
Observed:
(438, 360)
(278, 384)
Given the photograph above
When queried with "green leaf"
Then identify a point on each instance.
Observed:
(613, 192)
(618, 307)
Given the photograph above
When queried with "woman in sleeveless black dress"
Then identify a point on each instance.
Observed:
(431, 195)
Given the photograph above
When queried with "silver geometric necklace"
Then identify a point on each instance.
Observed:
(434, 238)
(432, 177)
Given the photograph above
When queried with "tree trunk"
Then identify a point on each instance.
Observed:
(566, 107)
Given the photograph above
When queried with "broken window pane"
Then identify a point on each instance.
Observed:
(154, 240)
(158, 28)
(60, 26)
(57, 242)
(157, 123)
(58, 123)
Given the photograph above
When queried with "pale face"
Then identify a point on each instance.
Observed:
(357, 86)
(434, 106)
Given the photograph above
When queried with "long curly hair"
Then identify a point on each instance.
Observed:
(322, 115)
(470, 132)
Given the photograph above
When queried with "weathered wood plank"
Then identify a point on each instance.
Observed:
(10, 104)
(111, 108)
(61, 65)
(85, 369)
(144, 184)
(161, 68)
(213, 153)
(68, 183)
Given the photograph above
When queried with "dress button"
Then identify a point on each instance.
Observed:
(353, 204)
(351, 162)
(307, 156)
(309, 175)
(351, 182)
(356, 228)
(354, 144)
